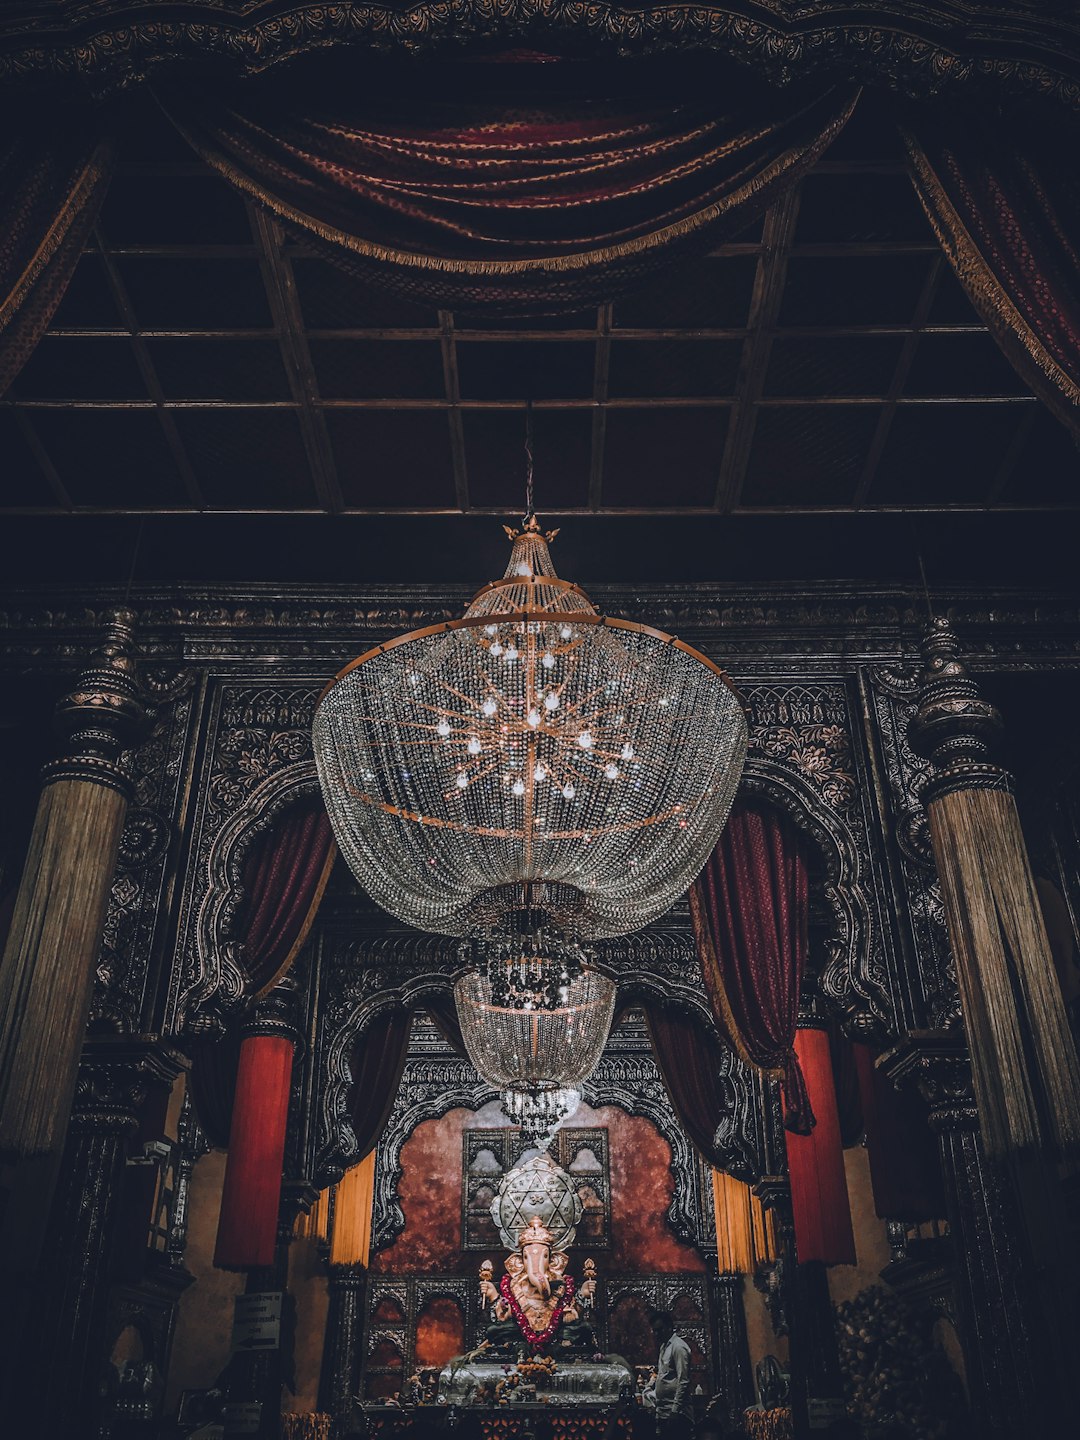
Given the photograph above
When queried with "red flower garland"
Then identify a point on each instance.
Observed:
(536, 1338)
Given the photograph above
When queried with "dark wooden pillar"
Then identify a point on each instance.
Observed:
(734, 1380)
(339, 1380)
(987, 1246)
(61, 1355)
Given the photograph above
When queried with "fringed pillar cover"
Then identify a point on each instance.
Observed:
(247, 1235)
(1024, 1062)
(47, 970)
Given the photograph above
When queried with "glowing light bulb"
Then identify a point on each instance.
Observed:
(474, 747)
(551, 702)
(489, 707)
(462, 781)
(511, 652)
(442, 728)
(496, 649)
(627, 752)
(565, 633)
(518, 787)
(533, 718)
(491, 629)
(539, 773)
(568, 792)
(611, 772)
(585, 740)
(548, 661)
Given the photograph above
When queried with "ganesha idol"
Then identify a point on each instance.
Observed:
(535, 1300)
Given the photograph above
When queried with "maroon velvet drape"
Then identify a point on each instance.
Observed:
(689, 1061)
(443, 1012)
(750, 913)
(53, 175)
(905, 1171)
(517, 195)
(284, 880)
(377, 1062)
(1003, 196)
(819, 1196)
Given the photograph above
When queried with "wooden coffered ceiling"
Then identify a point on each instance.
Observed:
(826, 361)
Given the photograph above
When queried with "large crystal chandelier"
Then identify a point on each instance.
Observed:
(533, 759)
(537, 1057)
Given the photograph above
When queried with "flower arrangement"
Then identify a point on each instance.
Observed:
(537, 1338)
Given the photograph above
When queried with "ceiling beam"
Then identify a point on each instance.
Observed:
(452, 384)
(768, 293)
(899, 379)
(284, 302)
(148, 371)
(601, 377)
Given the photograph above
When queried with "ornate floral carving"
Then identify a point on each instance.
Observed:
(927, 51)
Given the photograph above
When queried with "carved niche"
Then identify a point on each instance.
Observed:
(259, 761)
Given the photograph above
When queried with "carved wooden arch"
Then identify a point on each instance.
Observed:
(853, 980)
(219, 987)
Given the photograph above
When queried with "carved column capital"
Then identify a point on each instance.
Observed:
(116, 1073)
(277, 1013)
(937, 1063)
(102, 714)
(954, 727)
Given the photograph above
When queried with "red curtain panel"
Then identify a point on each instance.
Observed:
(689, 1061)
(284, 879)
(517, 195)
(750, 913)
(819, 1195)
(53, 176)
(377, 1062)
(1003, 195)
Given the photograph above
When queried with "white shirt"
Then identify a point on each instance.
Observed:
(673, 1379)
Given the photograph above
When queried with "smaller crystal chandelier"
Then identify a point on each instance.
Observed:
(537, 1057)
(528, 971)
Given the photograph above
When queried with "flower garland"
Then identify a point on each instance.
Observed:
(536, 1338)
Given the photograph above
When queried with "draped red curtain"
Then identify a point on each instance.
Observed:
(377, 1063)
(750, 914)
(512, 196)
(284, 878)
(905, 1172)
(1003, 196)
(689, 1060)
(53, 175)
(819, 1195)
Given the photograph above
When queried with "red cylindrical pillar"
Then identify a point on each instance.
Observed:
(819, 1196)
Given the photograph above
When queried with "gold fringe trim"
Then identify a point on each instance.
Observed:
(983, 288)
(84, 192)
(714, 985)
(305, 928)
(1024, 1062)
(793, 158)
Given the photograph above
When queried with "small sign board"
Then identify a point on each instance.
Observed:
(257, 1321)
(242, 1417)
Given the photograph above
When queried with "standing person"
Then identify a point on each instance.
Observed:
(671, 1389)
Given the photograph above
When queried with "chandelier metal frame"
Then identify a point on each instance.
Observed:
(531, 757)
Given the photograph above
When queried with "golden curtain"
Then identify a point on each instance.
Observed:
(350, 1242)
(745, 1230)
